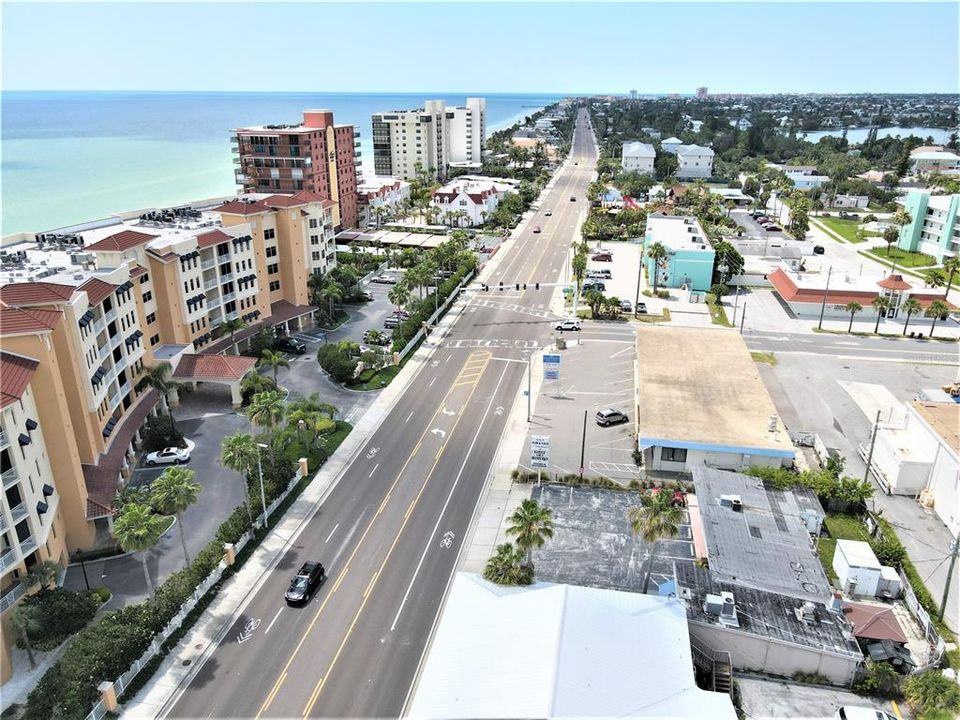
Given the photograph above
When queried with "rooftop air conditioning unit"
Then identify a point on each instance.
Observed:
(713, 604)
(806, 613)
(728, 610)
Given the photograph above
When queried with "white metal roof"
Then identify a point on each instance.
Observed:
(548, 651)
(858, 554)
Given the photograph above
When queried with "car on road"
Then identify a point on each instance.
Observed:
(609, 416)
(366, 295)
(603, 256)
(851, 712)
(305, 583)
(291, 345)
(568, 326)
(391, 322)
(819, 250)
(384, 279)
(642, 308)
(573, 198)
(168, 456)
(626, 306)
(548, 212)
(536, 228)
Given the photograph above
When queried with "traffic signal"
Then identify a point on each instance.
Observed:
(524, 286)
(501, 285)
(517, 286)
(537, 286)
(485, 287)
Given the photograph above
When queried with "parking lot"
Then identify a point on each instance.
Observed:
(596, 372)
(593, 544)
(623, 267)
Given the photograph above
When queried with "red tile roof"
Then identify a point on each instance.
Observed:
(235, 207)
(137, 271)
(275, 201)
(308, 196)
(894, 282)
(97, 290)
(123, 240)
(213, 367)
(35, 293)
(15, 374)
(873, 622)
(214, 237)
(15, 321)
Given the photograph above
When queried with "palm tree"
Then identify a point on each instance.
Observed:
(44, 574)
(137, 529)
(594, 298)
(232, 326)
(26, 620)
(273, 360)
(935, 277)
(266, 408)
(532, 523)
(300, 418)
(239, 453)
(658, 254)
(399, 294)
(902, 218)
(852, 307)
(951, 266)
(912, 306)
(881, 305)
(254, 383)
(158, 377)
(332, 294)
(505, 566)
(654, 518)
(936, 310)
(171, 494)
(890, 236)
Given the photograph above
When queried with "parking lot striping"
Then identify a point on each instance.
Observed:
(273, 621)
(332, 532)
(374, 470)
(592, 392)
(618, 353)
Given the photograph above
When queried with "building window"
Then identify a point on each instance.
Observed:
(314, 239)
(272, 269)
(669, 454)
(271, 251)
(313, 223)
(154, 340)
(274, 285)
(151, 318)
(316, 256)
(269, 234)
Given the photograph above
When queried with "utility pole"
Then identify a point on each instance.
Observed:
(636, 300)
(954, 547)
(529, 374)
(873, 441)
(743, 316)
(583, 443)
(736, 301)
(826, 291)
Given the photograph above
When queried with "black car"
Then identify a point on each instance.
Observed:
(819, 250)
(305, 583)
(595, 285)
(291, 345)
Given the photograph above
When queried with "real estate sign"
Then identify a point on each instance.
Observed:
(540, 451)
(551, 367)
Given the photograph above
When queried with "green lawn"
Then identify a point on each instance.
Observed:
(764, 357)
(847, 229)
(903, 258)
(840, 527)
(717, 313)
(379, 379)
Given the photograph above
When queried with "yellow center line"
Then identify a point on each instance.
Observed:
(339, 580)
(386, 499)
(313, 621)
(319, 687)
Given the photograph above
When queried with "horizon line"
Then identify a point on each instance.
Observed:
(565, 94)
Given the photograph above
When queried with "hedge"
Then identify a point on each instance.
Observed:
(421, 310)
(60, 613)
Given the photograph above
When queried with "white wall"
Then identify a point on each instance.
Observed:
(694, 166)
(701, 458)
(631, 163)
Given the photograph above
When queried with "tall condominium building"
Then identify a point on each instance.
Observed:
(315, 155)
(432, 137)
(702, 92)
(934, 226)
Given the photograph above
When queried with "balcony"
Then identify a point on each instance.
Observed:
(119, 365)
(125, 389)
(356, 143)
(211, 283)
(19, 512)
(9, 478)
(207, 264)
(228, 297)
(99, 326)
(28, 546)
(110, 316)
(8, 559)
(114, 401)
(4, 440)
(214, 302)
(226, 278)
(16, 592)
(103, 351)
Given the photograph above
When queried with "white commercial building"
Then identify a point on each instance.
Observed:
(850, 201)
(561, 651)
(694, 161)
(934, 161)
(430, 137)
(638, 157)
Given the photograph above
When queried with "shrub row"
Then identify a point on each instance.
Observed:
(420, 310)
(59, 614)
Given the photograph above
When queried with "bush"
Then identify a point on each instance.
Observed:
(336, 361)
(103, 594)
(161, 431)
(931, 694)
(889, 550)
(880, 679)
(60, 613)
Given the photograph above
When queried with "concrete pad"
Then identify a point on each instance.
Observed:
(767, 699)
(872, 398)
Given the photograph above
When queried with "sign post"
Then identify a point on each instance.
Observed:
(551, 366)
(539, 453)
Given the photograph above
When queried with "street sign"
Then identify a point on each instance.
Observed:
(551, 367)
(540, 451)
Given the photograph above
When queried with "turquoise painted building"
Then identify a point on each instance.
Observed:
(934, 227)
(690, 255)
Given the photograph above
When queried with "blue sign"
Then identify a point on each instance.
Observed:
(551, 367)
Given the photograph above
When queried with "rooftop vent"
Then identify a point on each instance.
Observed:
(728, 610)
(731, 501)
(806, 613)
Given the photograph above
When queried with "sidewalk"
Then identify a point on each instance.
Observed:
(184, 661)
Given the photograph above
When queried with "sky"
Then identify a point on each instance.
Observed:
(538, 47)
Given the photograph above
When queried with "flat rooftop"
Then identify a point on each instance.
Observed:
(700, 389)
(677, 232)
(764, 545)
(944, 418)
(766, 614)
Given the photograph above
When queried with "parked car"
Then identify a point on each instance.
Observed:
(366, 295)
(851, 712)
(568, 326)
(548, 212)
(168, 456)
(594, 285)
(401, 313)
(291, 345)
(384, 279)
(609, 416)
(773, 227)
(305, 583)
(642, 308)
(626, 306)
(599, 275)
(391, 322)
(536, 228)
(573, 198)
(603, 256)
(819, 250)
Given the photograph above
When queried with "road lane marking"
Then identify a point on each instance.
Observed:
(409, 416)
(340, 578)
(332, 532)
(409, 509)
(265, 632)
(363, 602)
(443, 510)
(386, 499)
(370, 584)
(273, 692)
(374, 470)
(432, 382)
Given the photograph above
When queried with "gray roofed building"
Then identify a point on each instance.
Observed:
(758, 536)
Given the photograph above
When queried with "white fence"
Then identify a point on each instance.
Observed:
(937, 646)
(437, 313)
(121, 683)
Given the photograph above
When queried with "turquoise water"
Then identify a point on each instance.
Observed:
(70, 157)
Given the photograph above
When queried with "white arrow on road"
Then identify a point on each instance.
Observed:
(498, 411)
(438, 431)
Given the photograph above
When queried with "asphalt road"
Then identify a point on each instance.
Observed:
(390, 532)
(900, 350)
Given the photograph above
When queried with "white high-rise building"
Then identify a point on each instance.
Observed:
(432, 136)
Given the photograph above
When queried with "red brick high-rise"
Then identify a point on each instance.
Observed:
(315, 155)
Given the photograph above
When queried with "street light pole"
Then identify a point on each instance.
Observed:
(826, 291)
(636, 300)
(263, 497)
(529, 384)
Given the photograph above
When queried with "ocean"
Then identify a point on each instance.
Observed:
(71, 157)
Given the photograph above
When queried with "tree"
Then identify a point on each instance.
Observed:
(881, 305)
(951, 267)
(505, 567)
(532, 524)
(332, 293)
(44, 574)
(935, 277)
(25, 620)
(160, 432)
(890, 236)
(232, 327)
(137, 529)
(726, 255)
(936, 310)
(659, 255)
(273, 360)
(171, 494)
(399, 294)
(239, 453)
(594, 298)
(719, 291)
(254, 383)
(266, 408)
(911, 306)
(852, 307)
(158, 377)
(799, 220)
(654, 518)
(931, 691)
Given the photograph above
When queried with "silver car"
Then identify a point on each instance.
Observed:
(168, 456)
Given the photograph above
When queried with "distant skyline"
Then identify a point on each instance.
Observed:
(562, 48)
